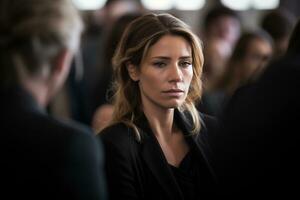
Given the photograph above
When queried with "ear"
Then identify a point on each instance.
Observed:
(60, 67)
(133, 72)
(62, 62)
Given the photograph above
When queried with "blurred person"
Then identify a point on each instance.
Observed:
(102, 117)
(77, 98)
(220, 30)
(216, 55)
(221, 23)
(156, 144)
(250, 56)
(42, 157)
(102, 91)
(279, 24)
(256, 149)
(252, 53)
(113, 9)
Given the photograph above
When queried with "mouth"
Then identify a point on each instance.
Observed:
(173, 92)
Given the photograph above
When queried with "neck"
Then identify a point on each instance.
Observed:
(160, 120)
(37, 85)
(38, 90)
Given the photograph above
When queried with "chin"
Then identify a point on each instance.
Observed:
(174, 104)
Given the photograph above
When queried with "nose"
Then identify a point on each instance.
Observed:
(175, 73)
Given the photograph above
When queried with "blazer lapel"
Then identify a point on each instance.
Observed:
(156, 161)
(194, 140)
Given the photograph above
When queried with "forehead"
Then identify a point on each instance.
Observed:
(170, 45)
(224, 20)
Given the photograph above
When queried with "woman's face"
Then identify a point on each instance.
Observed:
(166, 73)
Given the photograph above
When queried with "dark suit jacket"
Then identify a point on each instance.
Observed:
(139, 170)
(43, 158)
(256, 151)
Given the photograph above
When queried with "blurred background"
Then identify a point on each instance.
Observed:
(240, 38)
(191, 11)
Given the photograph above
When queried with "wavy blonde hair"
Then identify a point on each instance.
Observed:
(136, 41)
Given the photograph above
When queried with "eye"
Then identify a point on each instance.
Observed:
(185, 64)
(159, 64)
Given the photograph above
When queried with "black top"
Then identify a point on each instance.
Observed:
(44, 158)
(187, 175)
(139, 170)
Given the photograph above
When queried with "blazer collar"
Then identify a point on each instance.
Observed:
(196, 141)
(156, 161)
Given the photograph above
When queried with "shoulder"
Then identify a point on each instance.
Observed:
(120, 146)
(118, 135)
(70, 129)
(79, 136)
(208, 121)
(70, 136)
(209, 127)
(82, 159)
(71, 144)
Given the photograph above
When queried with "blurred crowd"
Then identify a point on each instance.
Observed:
(233, 55)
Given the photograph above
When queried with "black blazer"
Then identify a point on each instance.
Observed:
(43, 158)
(139, 170)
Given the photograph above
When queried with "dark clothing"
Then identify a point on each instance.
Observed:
(139, 170)
(43, 158)
(213, 103)
(256, 151)
(187, 175)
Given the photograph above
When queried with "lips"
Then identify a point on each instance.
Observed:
(173, 92)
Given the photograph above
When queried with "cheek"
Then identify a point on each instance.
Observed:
(149, 80)
(188, 75)
(149, 83)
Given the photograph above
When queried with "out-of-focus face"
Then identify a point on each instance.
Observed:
(216, 53)
(226, 28)
(166, 72)
(258, 55)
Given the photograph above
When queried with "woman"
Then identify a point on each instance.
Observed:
(155, 148)
(249, 59)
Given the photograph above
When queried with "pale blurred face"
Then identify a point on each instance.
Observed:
(217, 52)
(226, 28)
(166, 73)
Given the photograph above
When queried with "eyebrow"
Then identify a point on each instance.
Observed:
(168, 58)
